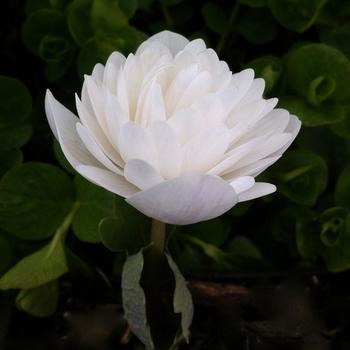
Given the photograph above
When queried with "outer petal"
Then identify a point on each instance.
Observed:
(175, 42)
(108, 180)
(186, 200)
(62, 122)
(258, 190)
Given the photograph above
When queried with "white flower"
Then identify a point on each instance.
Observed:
(172, 130)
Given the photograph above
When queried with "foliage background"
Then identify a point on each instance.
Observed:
(53, 222)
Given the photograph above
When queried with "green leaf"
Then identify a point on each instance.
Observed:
(6, 254)
(107, 16)
(41, 267)
(215, 231)
(270, 68)
(34, 200)
(257, 26)
(311, 116)
(318, 72)
(214, 17)
(183, 304)
(15, 103)
(342, 128)
(42, 25)
(129, 7)
(40, 301)
(14, 136)
(333, 225)
(296, 15)
(134, 299)
(9, 159)
(125, 230)
(342, 188)
(242, 247)
(308, 239)
(78, 18)
(301, 176)
(338, 37)
(254, 3)
(95, 203)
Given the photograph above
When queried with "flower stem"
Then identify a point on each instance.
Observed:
(158, 237)
(230, 22)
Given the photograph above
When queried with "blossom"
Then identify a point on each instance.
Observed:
(173, 130)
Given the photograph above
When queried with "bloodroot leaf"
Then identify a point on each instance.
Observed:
(134, 299)
(41, 195)
(342, 189)
(182, 301)
(40, 301)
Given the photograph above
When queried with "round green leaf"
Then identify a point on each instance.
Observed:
(342, 128)
(318, 72)
(34, 200)
(296, 15)
(95, 203)
(9, 159)
(214, 17)
(342, 188)
(15, 102)
(301, 176)
(338, 37)
(269, 68)
(6, 254)
(333, 225)
(329, 113)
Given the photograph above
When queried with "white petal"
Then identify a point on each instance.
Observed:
(136, 142)
(141, 174)
(186, 200)
(258, 190)
(94, 149)
(175, 42)
(168, 148)
(242, 184)
(64, 125)
(108, 180)
(99, 136)
(114, 63)
(204, 151)
(98, 71)
(255, 92)
(196, 46)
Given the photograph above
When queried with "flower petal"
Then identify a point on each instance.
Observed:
(108, 180)
(63, 124)
(242, 184)
(141, 174)
(258, 190)
(186, 200)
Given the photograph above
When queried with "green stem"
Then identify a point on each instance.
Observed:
(230, 22)
(158, 237)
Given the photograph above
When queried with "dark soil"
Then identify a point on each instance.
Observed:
(246, 313)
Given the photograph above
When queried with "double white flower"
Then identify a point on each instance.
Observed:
(172, 130)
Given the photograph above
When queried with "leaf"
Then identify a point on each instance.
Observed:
(129, 7)
(311, 116)
(182, 301)
(41, 267)
(333, 225)
(342, 188)
(338, 37)
(318, 72)
(257, 26)
(9, 159)
(107, 16)
(241, 246)
(6, 254)
(296, 15)
(301, 176)
(342, 128)
(254, 3)
(214, 231)
(40, 301)
(308, 239)
(125, 230)
(270, 68)
(34, 200)
(15, 102)
(134, 299)
(78, 18)
(95, 203)
(214, 17)
(41, 24)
